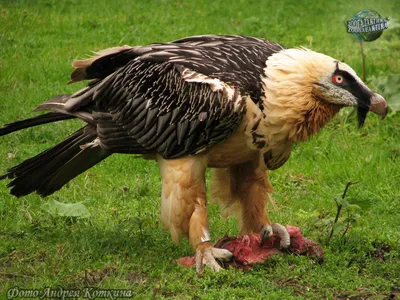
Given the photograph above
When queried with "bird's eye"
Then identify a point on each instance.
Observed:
(338, 79)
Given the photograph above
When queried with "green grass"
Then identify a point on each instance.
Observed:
(123, 244)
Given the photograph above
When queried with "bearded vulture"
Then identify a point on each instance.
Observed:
(233, 103)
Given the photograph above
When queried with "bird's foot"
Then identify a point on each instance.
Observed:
(206, 255)
(268, 231)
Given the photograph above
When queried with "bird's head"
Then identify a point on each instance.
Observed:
(304, 78)
(342, 86)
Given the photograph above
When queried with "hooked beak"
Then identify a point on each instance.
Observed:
(378, 105)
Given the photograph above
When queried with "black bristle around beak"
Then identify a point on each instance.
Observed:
(361, 115)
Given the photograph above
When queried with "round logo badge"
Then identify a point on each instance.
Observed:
(367, 25)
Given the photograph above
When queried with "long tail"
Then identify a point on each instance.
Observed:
(48, 171)
(38, 120)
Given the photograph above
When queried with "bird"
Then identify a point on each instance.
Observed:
(235, 104)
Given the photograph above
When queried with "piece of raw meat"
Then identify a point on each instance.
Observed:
(247, 249)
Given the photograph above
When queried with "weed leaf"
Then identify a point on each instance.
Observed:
(56, 208)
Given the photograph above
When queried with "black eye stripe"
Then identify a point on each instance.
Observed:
(354, 87)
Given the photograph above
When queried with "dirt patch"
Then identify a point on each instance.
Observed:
(380, 252)
(93, 277)
(136, 278)
(293, 282)
(362, 294)
(395, 294)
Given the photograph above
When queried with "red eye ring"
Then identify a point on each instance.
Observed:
(338, 79)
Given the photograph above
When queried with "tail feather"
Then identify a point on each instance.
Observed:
(56, 103)
(48, 171)
(39, 159)
(38, 120)
(84, 160)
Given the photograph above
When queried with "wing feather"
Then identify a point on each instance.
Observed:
(170, 104)
(175, 99)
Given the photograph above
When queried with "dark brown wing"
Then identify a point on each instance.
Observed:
(148, 107)
(153, 104)
(236, 60)
(174, 99)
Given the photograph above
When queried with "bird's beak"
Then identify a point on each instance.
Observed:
(378, 105)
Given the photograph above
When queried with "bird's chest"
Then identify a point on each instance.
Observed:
(274, 149)
(233, 151)
(240, 148)
(252, 141)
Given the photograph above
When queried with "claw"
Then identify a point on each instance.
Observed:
(206, 255)
(266, 233)
(282, 233)
(269, 230)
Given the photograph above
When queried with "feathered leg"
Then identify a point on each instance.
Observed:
(243, 190)
(184, 208)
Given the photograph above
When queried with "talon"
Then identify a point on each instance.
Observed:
(222, 254)
(266, 233)
(206, 255)
(282, 233)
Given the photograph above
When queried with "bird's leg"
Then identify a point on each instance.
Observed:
(199, 237)
(253, 186)
(184, 208)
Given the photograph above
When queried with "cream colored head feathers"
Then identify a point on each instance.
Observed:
(300, 95)
(297, 73)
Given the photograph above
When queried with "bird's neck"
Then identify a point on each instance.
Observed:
(314, 119)
(286, 121)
